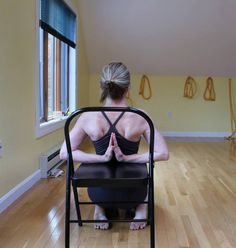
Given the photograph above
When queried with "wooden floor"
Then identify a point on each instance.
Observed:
(195, 203)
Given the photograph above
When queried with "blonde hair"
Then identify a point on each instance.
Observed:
(115, 80)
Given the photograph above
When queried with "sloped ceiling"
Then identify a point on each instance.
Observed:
(161, 37)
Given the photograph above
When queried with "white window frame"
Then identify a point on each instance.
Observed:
(42, 129)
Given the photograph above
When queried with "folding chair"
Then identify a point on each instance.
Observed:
(84, 177)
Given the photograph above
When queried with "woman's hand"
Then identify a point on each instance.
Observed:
(117, 151)
(109, 152)
(113, 148)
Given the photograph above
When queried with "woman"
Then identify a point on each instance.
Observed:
(116, 136)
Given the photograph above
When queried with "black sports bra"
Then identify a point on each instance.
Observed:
(128, 147)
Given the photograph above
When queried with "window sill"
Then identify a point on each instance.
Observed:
(49, 127)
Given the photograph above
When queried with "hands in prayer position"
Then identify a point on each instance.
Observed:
(113, 148)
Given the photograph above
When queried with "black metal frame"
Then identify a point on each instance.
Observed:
(70, 173)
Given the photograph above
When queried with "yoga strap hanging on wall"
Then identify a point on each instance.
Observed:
(190, 88)
(145, 80)
(209, 93)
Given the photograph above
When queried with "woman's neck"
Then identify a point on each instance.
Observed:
(115, 103)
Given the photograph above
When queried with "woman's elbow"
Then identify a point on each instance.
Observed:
(163, 156)
(63, 155)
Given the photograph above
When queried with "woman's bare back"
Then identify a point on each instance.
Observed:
(130, 126)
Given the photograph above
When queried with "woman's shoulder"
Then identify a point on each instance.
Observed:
(136, 115)
(134, 119)
(144, 111)
(89, 116)
(87, 121)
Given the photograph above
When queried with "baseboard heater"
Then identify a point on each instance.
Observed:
(49, 162)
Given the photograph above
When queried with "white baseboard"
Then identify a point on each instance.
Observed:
(196, 134)
(17, 191)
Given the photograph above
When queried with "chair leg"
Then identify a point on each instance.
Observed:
(67, 216)
(152, 215)
(77, 205)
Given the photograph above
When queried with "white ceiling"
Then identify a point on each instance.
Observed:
(161, 37)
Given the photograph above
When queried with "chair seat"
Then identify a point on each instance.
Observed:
(111, 174)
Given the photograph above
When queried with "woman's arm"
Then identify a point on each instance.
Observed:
(161, 152)
(77, 136)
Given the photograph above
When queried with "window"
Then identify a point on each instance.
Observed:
(57, 65)
(57, 61)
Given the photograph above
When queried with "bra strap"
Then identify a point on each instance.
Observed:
(106, 118)
(112, 124)
(119, 117)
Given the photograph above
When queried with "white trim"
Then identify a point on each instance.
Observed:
(17, 191)
(48, 127)
(196, 134)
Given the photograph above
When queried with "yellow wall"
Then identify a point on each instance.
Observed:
(17, 89)
(195, 115)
